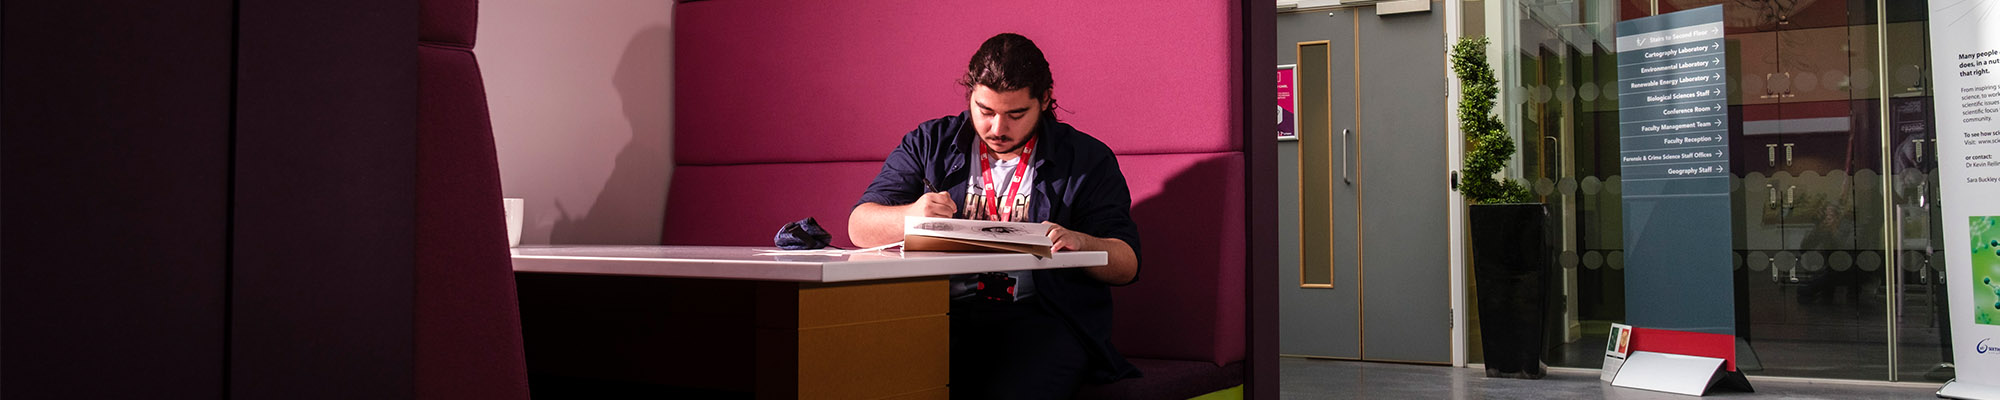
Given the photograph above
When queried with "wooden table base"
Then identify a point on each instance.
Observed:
(866, 340)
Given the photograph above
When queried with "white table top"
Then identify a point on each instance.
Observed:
(756, 263)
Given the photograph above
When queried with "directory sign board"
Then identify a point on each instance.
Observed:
(1673, 114)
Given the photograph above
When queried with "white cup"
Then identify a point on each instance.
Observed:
(515, 208)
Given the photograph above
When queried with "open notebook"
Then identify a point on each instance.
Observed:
(947, 234)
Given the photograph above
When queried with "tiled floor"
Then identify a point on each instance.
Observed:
(1301, 378)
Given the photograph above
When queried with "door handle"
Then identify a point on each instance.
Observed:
(1345, 157)
(1771, 153)
(1788, 87)
(1788, 154)
(1934, 148)
(1791, 198)
(1920, 151)
(1546, 140)
(1768, 94)
(1896, 230)
(1772, 264)
(1923, 195)
(1774, 194)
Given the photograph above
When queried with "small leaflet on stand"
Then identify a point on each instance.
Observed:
(1617, 346)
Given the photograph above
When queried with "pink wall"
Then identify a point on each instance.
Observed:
(832, 80)
(581, 96)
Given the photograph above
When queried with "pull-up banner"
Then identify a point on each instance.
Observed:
(1673, 114)
(1965, 67)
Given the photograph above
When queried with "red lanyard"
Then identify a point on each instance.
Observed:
(993, 209)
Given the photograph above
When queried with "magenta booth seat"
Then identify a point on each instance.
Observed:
(785, 110)
(468, 327)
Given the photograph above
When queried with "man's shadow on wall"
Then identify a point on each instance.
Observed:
(1182, 233)
(601, 336)
(642, 170)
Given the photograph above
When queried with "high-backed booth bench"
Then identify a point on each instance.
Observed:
(785, 110)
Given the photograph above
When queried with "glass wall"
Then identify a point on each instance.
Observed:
(1834, 199)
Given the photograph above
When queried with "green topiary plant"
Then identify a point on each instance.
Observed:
(1487, 145)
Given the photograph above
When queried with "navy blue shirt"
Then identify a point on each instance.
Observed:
(1077, 185)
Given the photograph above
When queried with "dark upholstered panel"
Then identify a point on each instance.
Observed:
(137, 207)
(468, 322)
(842, 81)
(1191, 267)
(1168, 379)
(451, 22)
(324, 252)
(114, 137)
(743, 205)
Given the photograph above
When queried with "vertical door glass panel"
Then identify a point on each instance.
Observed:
(1922, 326)
(1561, 105)
(1811, 293)
(1316, 166)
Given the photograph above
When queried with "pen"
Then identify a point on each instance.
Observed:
(927, 186)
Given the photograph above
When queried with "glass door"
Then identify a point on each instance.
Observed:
(1561, 99)
(1806, 140)
(1921, 333)
(1834, 195)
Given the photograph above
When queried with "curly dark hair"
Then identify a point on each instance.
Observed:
(1009, 62)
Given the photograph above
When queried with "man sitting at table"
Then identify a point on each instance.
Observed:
(1016, 334)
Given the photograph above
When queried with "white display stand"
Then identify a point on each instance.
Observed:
(1957, 389)
(1965, 71)
(1671, 373)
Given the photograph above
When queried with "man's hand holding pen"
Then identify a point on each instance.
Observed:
(933, 204)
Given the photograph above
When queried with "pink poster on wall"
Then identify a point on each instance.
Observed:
(1288, 122)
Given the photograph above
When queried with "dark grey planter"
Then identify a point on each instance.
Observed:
(1512, 264)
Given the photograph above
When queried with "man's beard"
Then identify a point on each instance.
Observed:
(1018, 144)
